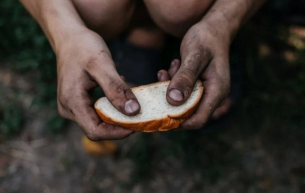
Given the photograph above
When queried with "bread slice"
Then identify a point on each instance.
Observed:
(156, 113)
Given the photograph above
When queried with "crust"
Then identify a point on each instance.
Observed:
(163, 124)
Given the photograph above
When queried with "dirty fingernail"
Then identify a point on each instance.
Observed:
(131, 106)
(159, 75)
(174, 62)
(176, 95)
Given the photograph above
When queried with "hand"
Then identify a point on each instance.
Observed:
(204, 55)
(84, 62)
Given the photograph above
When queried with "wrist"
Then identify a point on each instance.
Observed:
(221, 27)
(59, 20)
(68, 38)
(229, 16)
(59, 33)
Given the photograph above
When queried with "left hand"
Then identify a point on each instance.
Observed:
(204, 55)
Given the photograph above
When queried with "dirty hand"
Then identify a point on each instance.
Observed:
(83, 63)
(204, 55)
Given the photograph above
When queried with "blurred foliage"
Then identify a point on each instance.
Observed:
(24, 49)
(23, 42)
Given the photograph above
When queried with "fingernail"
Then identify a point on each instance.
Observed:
(131, 106)
(159, 75)
(173, 63)
(176, 95)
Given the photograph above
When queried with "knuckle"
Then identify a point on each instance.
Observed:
(189, 73)
(63, 99)
(118, 88)
(66, 104)
(61, 112)
(91, 63)
(66, 92)
(198, 58)
(186, 78)
(92, 135)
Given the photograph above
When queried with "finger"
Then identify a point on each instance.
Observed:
(63, 112)
(216, 89)
(211, 99)
(116, 90)
(97, 130)
(123, 78)
(91, 124)
(175, 65)
(69, 91)
(163, 75)
(182, 83)
(222, 109)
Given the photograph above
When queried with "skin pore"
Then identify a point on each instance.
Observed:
(77, 30)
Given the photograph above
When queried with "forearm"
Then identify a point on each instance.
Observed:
(229, 15)
(58, 18)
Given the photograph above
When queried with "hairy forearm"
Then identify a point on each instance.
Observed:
(229, 15)
(58, 18)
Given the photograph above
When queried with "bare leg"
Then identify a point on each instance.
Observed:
(177, 16)
(111, 17)
(147, 37)
(106, 17)
(143, 31)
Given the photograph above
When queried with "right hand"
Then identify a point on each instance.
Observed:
(84, 62)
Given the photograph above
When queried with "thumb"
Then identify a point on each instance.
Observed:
(182, 83)
(116, 90)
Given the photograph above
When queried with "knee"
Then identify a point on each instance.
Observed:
(176, 17)
(108, 18)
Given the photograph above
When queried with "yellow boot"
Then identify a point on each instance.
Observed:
(99, 148)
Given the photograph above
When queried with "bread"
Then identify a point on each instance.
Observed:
(156, 113)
